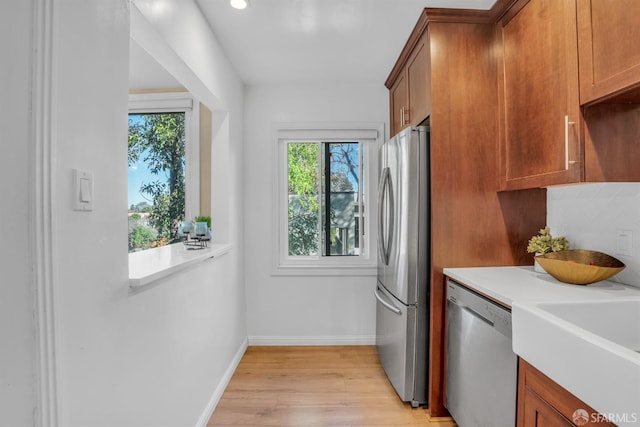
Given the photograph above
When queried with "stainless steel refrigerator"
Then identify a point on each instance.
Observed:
(402, 293)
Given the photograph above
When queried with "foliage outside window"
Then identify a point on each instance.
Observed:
(162, 166)
(157, 146)
(326, 175)
(324, 198)
(302, 211)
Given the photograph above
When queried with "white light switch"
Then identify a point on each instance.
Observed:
(82, 190)
(85, 190)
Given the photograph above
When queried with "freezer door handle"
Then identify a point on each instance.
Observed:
(385, 200)
(386, 304)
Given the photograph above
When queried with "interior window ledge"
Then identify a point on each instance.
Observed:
(148, 266)
(326, 270)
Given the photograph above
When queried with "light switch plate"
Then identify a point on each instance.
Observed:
(624, 242)
(82, 191)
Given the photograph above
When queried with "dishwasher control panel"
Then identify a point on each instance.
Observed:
(496, 315)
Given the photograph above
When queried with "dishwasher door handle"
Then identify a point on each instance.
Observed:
(387, 305)
(476, 314)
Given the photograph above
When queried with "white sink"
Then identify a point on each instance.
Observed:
(591, 348)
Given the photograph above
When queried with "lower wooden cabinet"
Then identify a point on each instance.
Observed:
(539, 413)
(543, 403)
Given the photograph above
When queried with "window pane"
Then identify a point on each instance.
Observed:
(303, 204)
(156, 178)
(341, 183)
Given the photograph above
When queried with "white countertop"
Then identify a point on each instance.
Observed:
(508, 284)
(606, 376)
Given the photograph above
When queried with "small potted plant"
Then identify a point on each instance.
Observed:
(544, 243)
(203, 218)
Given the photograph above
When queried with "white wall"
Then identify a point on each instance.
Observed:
(590, 216)
(153, 358)
(17, 377)
(308, 310)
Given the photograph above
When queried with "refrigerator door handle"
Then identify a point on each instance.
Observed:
(385, 196)
(381, 201)
(386, 304)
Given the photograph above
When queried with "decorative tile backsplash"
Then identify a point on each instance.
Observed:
(592, 216)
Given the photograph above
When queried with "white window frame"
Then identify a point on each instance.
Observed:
(369, 135)
(178, 102)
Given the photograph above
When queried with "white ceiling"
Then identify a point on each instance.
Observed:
(309, 41)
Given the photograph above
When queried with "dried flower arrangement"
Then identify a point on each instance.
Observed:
(544, 243)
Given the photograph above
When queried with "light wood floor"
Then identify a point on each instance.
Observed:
(314, 386)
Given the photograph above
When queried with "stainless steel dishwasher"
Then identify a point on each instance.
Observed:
(481, 369)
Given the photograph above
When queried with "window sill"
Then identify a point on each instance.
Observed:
(146, 267)
(326, 270)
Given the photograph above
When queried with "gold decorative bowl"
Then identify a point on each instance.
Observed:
(580, 266)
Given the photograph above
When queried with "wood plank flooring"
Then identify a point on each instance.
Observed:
(314, 386)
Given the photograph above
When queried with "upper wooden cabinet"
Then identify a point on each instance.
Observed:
(540, 119)
(546, 137)
(398, 101)
(609, 57)
(609, 49)
(409, 85)
(418, 74)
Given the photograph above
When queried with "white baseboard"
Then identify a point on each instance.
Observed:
(217, 393)
(313, 340)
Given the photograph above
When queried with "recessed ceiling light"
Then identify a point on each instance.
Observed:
(239, 4)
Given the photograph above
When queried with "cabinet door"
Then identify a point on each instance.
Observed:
(543, 403)
(608, 34)
(538, 413)
(418, 81)
(399, 101)
(540, 121)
